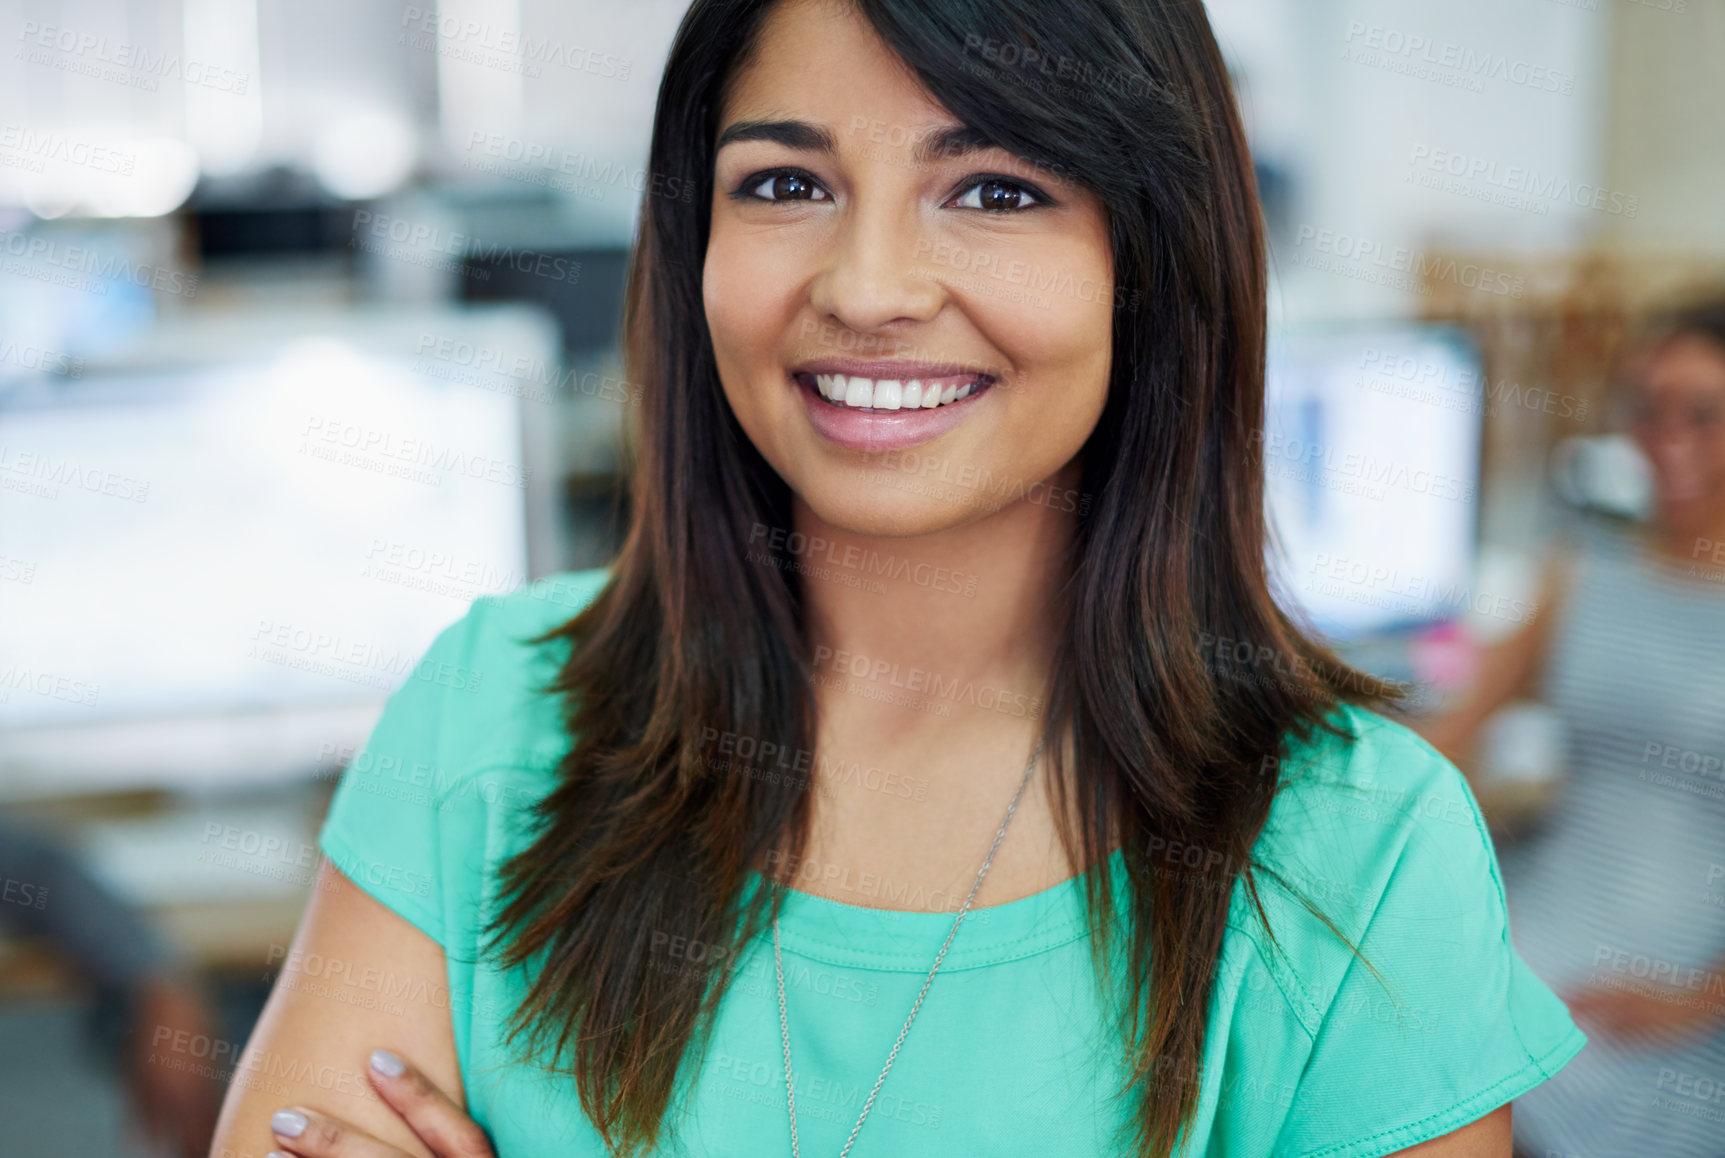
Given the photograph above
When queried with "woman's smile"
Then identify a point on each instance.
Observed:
(887, 405)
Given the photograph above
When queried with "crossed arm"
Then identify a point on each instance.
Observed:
(309, 1052)
(309, 1084)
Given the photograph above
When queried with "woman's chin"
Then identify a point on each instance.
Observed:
(890, 512)
(1685, 515)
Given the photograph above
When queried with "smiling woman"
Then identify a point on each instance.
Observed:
(975, 291)
(910, 245)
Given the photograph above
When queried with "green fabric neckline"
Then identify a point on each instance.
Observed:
(894, 940)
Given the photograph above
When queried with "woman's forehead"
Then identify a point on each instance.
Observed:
(815, 56)
(1684, 365)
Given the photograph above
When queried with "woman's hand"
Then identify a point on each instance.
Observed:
(178, 1107)
(1638, 1017)
(444, 1128)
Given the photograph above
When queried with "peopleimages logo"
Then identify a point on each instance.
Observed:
(934, 686)
(1325, 465)
(39, 147)
(1365, 581)
(866, 561)
(42, 474)
(1407, 268)
(357, 661)
(434, 239)
(41, 358)
(1466, 62)
(17, 677)
(583, 171)
(86, 259)
(1517, 186)
(527, 52)
(351, 443)
(1392, 372)
(84, 52)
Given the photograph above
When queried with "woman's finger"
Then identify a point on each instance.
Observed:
(442, 1125)
(309, 1134)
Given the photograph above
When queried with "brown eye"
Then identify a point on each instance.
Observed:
(787, 187)
(996, 197)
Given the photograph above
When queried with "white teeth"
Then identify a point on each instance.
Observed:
(888, 393)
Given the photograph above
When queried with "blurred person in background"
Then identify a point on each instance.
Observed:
(169, 1029)
(1617, 900)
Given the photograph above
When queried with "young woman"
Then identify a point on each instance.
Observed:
(933, 772)
(1619, 898)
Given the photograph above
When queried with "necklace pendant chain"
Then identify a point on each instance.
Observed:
(779, 971)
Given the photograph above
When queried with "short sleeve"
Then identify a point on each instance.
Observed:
(381, 830)
(1446, 1022)
(442, 790)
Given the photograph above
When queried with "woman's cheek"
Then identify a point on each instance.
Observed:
(1054, 295)
(1061, 342)
(725, 296)
(745, 294)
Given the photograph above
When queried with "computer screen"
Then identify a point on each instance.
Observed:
(1371, 451)
(248, 543)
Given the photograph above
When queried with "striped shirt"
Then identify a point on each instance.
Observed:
(1623, 887)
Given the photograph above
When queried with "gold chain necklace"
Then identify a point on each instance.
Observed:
(779, 969)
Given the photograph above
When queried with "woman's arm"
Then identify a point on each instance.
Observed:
(357, 978)
(1487, 1137)
(436, 1117)
(1508, 670)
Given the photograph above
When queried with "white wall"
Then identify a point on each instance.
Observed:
(1343, 91)
(1665, 133)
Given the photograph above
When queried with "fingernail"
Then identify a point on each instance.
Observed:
(387, 1063)
(288, 1123)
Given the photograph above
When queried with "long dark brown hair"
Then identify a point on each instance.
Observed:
(1178, 682)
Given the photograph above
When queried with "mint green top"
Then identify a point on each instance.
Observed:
(1306, 1054)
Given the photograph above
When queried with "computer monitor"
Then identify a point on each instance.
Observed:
(1371, 451)
(216, 571)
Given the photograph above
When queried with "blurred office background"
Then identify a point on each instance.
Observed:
(308, 321)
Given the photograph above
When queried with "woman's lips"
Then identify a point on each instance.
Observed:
(868, 429)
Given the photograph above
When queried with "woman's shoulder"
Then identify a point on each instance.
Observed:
(509, 623)
(541, 605)
(1398, 1008)
(512, 717)
(469, 741)
(1373, 840)
(481, 692)
(1362, 755)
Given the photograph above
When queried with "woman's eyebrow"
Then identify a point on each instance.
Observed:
(791, 134)
(944, 144)
(931, 145)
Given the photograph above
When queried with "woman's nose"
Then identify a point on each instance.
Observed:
(1677, 458)
(872, 274)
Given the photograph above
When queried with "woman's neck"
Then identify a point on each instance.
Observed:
(973, 603)
(1694, 538)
